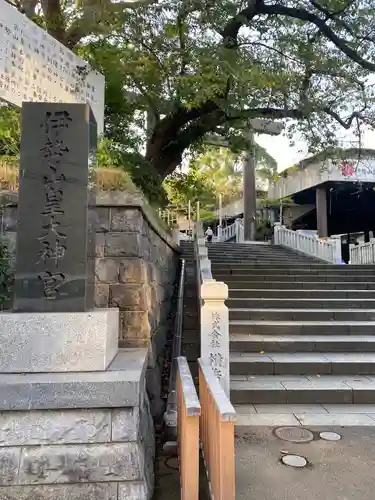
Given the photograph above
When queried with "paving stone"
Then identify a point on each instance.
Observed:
(275, 419)
(245, 409)
(337, 409)
(335, 419)
(301, 409)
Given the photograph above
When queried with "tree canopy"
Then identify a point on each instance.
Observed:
(204, 66)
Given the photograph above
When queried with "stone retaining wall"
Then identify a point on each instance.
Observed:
(136, 263)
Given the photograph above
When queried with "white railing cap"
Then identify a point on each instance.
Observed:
(192, 405)
(214, 290)
(222, 402)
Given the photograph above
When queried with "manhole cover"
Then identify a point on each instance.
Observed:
(294, 461)
(330, 436)
(294, 434)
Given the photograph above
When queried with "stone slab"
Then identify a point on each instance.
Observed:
(55, 232)
(9, 465)
(337, 409)
(266, 419)
(58, 342)
(80, 463)
(300, 409)
(132, 491)
(245, 409)
(119, 386)
(338, 419)
(92, 491)
(23, 428)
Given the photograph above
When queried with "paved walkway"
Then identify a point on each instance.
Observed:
(336, 470)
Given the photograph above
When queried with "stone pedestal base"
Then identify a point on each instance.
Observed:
(88, 436)
(58, 342)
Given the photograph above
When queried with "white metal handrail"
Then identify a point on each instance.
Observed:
(328, 249)
(227, 233)
(363, 253)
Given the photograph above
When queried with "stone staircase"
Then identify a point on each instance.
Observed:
(302, 332)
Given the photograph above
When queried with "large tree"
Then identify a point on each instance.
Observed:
(200, 66)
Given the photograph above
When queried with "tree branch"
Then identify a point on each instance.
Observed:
(54, 19)
(232, 28)
(304, 15)
(327, 12)
(348, 122)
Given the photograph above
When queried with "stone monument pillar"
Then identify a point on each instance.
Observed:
(75, 420)
(55, 235)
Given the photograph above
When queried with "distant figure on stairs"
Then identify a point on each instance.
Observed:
(209, 234)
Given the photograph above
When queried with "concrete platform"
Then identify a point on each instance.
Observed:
(338, 470)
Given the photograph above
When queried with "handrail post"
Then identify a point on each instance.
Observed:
(337, 254)
(238, 228)
(215, 330)
(189, 410)
(217, 434)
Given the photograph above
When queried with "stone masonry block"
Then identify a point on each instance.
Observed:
(107, 270)
(101, 295)
(124, 244)
(125, 424)
(80, 463)
(93, 491)
(133, 491)
(23, 428)
(102, 219)
(9, 462)
(99, 244)
(135, 325)
(128, 220)
(129, 296)
(56, 342)
(132, 271)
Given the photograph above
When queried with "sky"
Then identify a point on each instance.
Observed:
(286, 155)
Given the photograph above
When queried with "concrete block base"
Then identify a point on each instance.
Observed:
(93, 449)
(58, 342)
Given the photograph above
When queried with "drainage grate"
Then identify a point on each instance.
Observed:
(294, 434)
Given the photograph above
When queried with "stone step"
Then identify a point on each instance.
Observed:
(302, 327)
(228, 278)
(288, 271)
(313, 363)
(242, 257)
(255, 343)
(295, 285)
(298, 303)
(340, 415)
(302, 314)
(303, 389)
(291, 266)
(268, 293)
